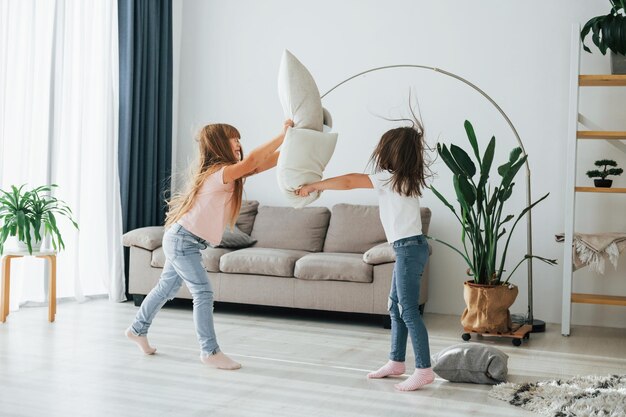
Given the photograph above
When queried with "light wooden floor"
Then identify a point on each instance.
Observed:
(82, 365)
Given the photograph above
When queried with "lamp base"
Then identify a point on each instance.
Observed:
(539, 326)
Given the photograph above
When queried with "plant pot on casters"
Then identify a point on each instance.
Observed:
(484, 236)
(608, 34)
(488, 306)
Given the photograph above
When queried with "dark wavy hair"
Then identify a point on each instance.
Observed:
(402, 152)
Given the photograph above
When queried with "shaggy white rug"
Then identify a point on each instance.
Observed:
(587, 396)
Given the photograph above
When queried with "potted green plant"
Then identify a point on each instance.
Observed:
(30, 215)
(596, 173)
(484, 237)
(609, 32)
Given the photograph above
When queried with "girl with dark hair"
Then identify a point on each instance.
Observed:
(196, 218)
(399, 176)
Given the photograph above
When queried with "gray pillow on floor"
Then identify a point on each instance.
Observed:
(471, 362)
(235, 239)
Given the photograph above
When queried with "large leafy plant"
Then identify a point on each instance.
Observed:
(481, 208)
(609, 31)
(30, 215)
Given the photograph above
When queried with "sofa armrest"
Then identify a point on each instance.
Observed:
(148, 238)
(383, 253)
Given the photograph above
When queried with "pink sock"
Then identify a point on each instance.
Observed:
(391, 368)
(420, 378)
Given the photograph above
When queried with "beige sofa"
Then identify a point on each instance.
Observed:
(311, 258)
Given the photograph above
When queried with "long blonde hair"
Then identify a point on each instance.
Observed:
(215, 152)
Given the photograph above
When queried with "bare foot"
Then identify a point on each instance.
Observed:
(220, 361)
(391, 368)
(142, 342)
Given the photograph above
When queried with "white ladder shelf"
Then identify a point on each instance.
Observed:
(574, 135)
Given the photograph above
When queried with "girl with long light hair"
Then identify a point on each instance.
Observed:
(197, 218)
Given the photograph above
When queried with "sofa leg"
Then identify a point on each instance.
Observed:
(138, 299)
(386, 320)
(421, 308)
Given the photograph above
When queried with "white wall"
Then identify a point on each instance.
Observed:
(518, 52)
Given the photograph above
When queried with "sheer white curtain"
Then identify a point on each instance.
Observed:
(58, 115)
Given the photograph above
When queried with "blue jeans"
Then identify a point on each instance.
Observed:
(183, 262)
(411, 258)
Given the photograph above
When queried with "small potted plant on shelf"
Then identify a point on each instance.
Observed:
(30, 216)
(596, 173)
(484, 237)
(609, 32)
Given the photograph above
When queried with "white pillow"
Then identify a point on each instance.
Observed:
(303, 158)
(298, 94)
(328, 120)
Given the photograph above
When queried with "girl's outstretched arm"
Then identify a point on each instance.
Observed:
(269, 163)
(257, 157)
(343, 182)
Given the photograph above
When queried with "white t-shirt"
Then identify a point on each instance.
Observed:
(399, 214)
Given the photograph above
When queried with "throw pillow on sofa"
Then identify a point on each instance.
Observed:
(235, 239)
(148, 238)
(380, 254)
(471, 362)
(247, 213)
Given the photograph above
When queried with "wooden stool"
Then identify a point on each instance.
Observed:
(6, 281)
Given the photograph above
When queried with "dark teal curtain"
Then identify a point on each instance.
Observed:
(145, 120)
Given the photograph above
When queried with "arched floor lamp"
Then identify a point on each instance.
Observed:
(538, 325)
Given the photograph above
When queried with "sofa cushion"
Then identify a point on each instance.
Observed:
(261, 261)
(354, 229)
(247, 213)
(158, 258)
(333, 267)
(357, 228)
(210, 258)
(289, 228)
(148, 238)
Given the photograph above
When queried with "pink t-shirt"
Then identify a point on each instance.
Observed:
(208, 216)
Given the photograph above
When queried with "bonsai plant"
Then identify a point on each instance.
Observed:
(31, 215)
(595, 173)
(484, 237)
(609, 32)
